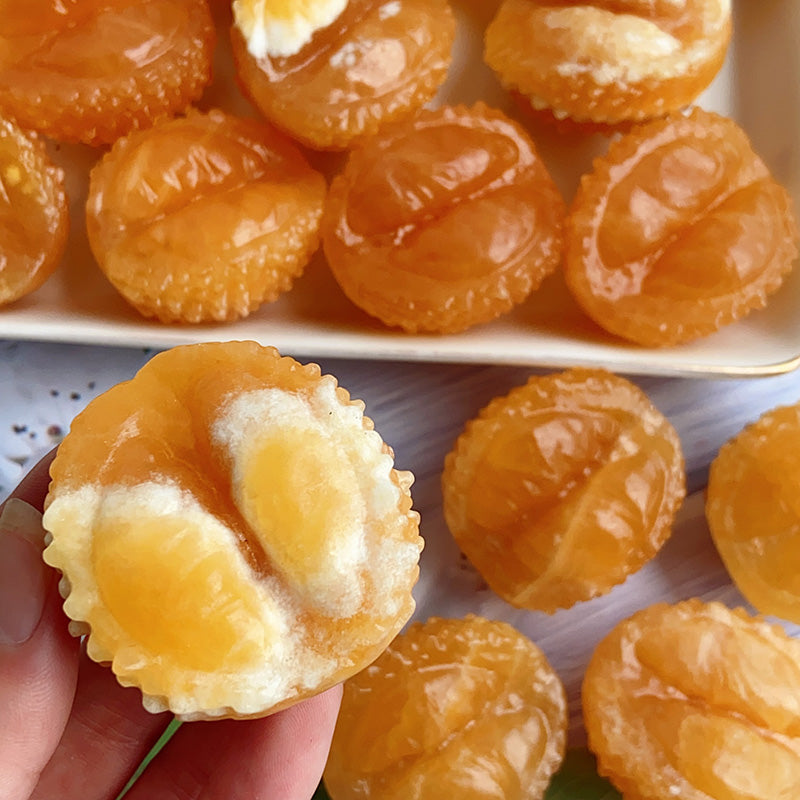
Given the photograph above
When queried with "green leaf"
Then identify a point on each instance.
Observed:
(165, 737)
(321, 794)
(578, 780)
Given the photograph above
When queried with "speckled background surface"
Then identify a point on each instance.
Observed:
(42, 387)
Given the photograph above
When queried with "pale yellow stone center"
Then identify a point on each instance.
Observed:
(176, 593)
(302, 498)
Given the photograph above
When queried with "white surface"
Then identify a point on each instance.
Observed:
(316, 320)
(419, 409)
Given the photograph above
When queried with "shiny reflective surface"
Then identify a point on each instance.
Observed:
(754, 514)
(378, 61)
(466, 706)
(444, 221)
(203, 218)
(91, 71)
(563, 488)
(609, 61)
(315, 319)
(696, 701)
(420, 409)
(679, 230)
(34, 217)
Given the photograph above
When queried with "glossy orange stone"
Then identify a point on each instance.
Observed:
(695, 701)
(564, 487)
(753, 511)
(679, 230)
(379, 61)
(468, 708)
(608, 61)
(203, 218)
(34, 217)
(93, 70)
(443, 221)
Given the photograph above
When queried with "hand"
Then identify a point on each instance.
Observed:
(68, 730)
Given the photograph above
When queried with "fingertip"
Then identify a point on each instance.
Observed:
(20, 518)
(299, 743)
(38, 658)
(320, 710)
(24, 579)
(33, 487)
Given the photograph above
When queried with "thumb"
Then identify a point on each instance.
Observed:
(38, 658)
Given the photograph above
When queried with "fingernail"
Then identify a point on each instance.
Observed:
(23, 575)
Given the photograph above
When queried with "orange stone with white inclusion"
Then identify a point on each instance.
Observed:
(378, 61)
(466, 708)
(93, 70)
(561, 489)
(232, 532)
(609, 61)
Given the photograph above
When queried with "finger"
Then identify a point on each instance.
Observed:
(38, 657)
(33, 487)
(280, 756)
(108, 734)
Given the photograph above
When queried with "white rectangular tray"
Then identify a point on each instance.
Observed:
(759, 86)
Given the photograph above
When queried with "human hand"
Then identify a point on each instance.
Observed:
(69, 730)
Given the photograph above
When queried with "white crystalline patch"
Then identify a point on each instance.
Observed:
(346, 57)
(540, 104)
(621, 48)
(361, 465)
(284, 666)
(267, 34)
(372, 62)
(389, 10)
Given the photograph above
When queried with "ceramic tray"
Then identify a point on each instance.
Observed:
(757, 87)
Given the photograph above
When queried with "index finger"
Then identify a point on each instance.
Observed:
(33, 487)
(38, 664)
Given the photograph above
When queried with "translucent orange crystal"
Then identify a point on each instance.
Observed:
(443, 221)
(695, 701)
(204, 217)
(561, 489)
(34, 217)
(678, 230)
(380, 60)
(753, 511)
(610, 60)
(454, 707)
(93, 70)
